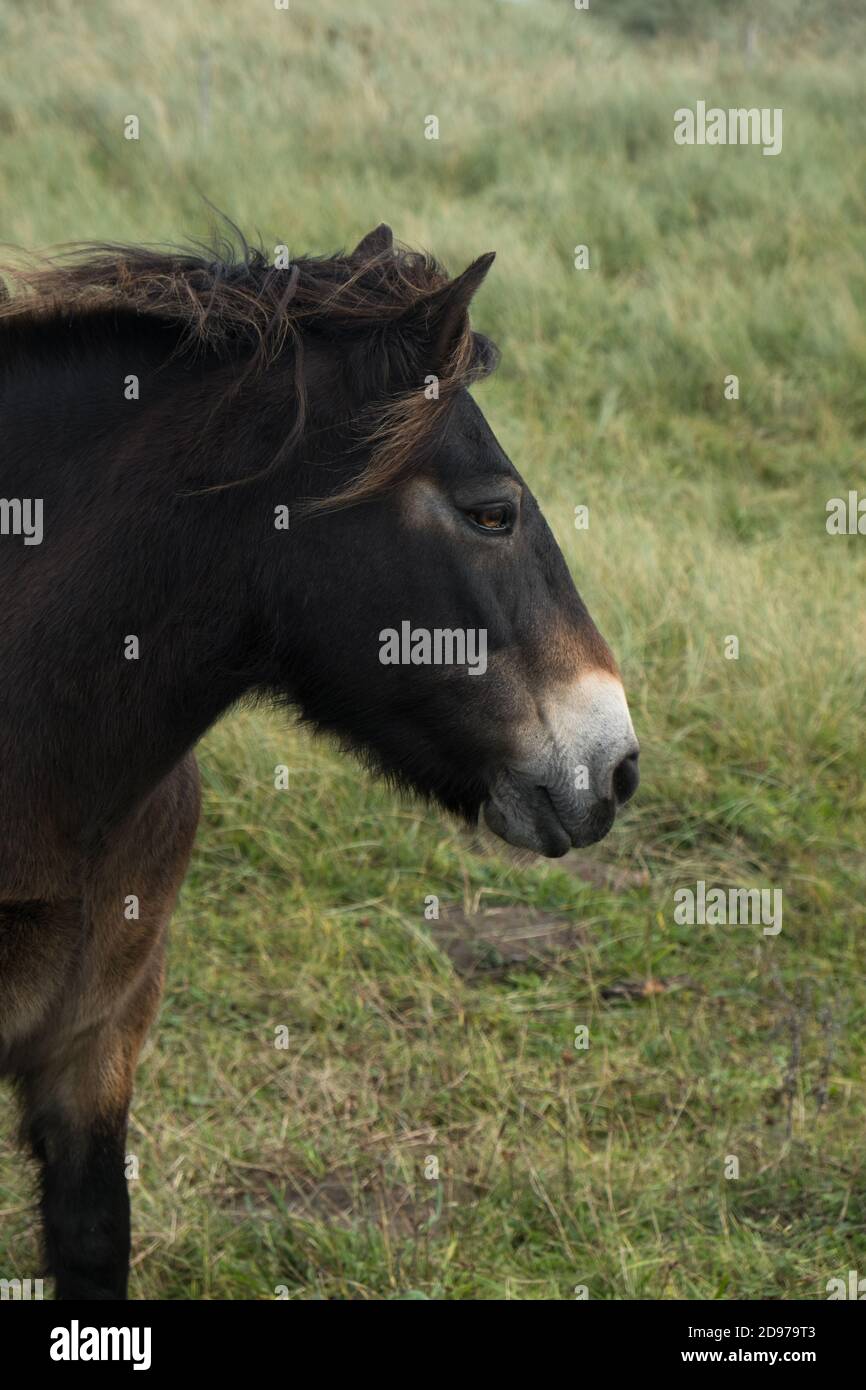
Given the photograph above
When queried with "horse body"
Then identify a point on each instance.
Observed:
(163, 592)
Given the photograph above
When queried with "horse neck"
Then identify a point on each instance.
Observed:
(137, 622)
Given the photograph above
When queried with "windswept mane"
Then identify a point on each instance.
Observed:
(230, 301)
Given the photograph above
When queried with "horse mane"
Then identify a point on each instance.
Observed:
(227, 300)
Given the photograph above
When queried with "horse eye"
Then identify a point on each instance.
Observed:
(492, 518)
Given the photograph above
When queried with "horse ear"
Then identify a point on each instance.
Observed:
(376, 243)
(446, 310)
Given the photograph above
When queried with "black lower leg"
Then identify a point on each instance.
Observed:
(85, 1207)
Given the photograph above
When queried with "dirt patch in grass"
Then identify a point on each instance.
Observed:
(491, 943)
(629, 991)
(616, 878)
(349, 1201)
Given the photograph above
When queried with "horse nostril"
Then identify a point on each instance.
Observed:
(625, 779)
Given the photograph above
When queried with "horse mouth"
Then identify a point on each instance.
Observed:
(532, 817)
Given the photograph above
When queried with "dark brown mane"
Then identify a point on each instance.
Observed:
(232, 303)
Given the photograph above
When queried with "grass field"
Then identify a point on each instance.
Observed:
(308, 1167)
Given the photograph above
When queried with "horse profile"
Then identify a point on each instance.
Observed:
(245, 476)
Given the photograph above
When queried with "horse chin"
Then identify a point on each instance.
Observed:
(531, 820)
(542, 833)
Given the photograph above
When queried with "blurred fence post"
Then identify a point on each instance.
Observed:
(204, 81)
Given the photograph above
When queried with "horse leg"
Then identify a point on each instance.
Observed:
(77, 1089)
(75, 1117)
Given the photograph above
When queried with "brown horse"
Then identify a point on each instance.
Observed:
(220, 479)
